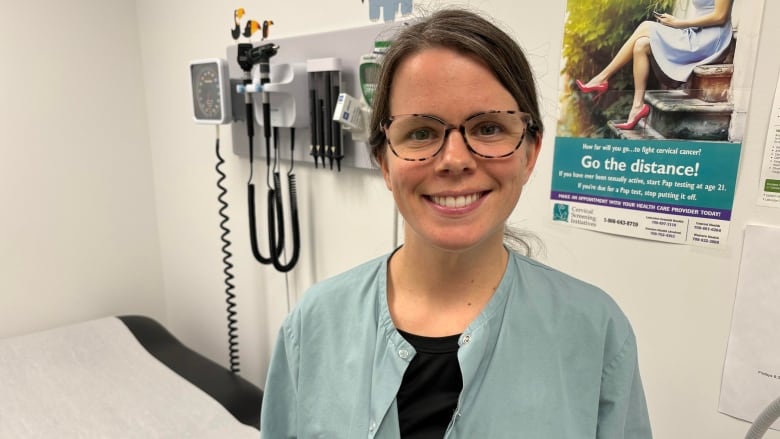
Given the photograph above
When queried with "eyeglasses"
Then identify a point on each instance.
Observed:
(489, 134)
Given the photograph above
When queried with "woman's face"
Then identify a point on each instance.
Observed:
(455, 200)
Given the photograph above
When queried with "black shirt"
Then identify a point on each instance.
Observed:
(430, 388)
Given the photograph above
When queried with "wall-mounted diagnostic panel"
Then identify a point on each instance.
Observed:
(301, 86)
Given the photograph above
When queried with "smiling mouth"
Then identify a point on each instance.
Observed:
(456, 202)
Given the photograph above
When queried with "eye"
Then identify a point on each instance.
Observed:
(488, 130)
(419, 131)
(421, 134)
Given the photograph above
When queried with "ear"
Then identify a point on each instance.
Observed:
(531, 155)
(383, 166)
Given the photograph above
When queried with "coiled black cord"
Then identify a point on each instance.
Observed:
(275, 210)
(230, 298)
(276, 246)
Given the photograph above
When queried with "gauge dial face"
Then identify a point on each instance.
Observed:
(207, 95)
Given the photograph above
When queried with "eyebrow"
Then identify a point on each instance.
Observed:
(441, 119)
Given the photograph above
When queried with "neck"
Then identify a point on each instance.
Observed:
(431, 270)
(436, 292)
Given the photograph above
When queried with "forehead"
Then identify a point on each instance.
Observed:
(442, 81)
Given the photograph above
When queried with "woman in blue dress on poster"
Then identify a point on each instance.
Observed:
(678, 45)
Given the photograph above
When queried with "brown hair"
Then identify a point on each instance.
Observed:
(466, 32)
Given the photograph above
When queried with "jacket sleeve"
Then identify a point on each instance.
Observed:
(279, 417)
(622, 406)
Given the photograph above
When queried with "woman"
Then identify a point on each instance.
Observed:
(678, 45)
(453, 335)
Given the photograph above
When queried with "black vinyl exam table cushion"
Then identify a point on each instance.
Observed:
(239, 396)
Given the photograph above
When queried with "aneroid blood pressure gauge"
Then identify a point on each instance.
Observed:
(210, 91)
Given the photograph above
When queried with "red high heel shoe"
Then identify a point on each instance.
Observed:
(629, 125)
(599, 89)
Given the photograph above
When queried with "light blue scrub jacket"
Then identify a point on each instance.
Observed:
(549, 357)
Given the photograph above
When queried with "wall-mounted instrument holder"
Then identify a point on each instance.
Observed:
(298, 65)
(287, 91)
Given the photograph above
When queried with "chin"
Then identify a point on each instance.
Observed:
(456, 242)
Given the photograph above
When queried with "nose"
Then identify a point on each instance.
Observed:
(455, 155)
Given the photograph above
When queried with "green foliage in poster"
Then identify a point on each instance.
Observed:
(595, 31)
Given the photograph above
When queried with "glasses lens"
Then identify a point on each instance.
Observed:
(495, 134)
(415, 137)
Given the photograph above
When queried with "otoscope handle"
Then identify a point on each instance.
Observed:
(338, 152)
(249, 108)
(265, 78)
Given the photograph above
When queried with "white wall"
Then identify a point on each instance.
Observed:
(79, 238)
(347, 222)
(679, 298)
(78, 230)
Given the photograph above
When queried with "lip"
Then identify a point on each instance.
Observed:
(461, 202)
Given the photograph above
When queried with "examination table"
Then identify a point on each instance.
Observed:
(119, 377)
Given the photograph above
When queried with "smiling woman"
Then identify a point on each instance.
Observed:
(453, 334)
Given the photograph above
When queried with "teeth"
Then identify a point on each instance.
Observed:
(455, 202)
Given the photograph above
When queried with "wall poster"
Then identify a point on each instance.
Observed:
(653, 103)
(769, 192)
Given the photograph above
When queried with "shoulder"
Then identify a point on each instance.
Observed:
(556, 282)
(355, 291)
(570, 300)
(347, 283)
